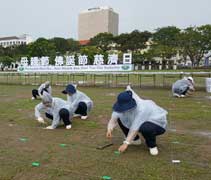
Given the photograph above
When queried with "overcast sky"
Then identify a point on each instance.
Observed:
(58, 18)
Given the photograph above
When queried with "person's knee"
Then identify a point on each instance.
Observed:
(146, 130)
(82, 105)
(63, 113)
(82, 108)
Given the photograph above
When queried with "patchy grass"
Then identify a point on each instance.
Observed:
(187, 140)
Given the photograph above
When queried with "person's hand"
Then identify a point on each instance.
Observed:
(109, 134)
(49, 127)
(192, 89)
(128, 87)
(123, 148)
(40, 120)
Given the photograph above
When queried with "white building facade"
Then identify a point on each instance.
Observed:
(15, 40)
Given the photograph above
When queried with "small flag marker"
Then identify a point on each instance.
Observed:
(176, 161)
(117, 152)
(106, 178)
(36, 164)
(63, 145)
(23, 139)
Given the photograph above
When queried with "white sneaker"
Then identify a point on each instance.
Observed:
(176, 95)
(153, 151)
(84, 117)
(33, 98)
(136, 142)
(68, 126)
(182, 96)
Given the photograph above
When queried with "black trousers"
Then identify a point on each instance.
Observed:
(64, 115)
(82, 109)
(185, 91)
(149, 131)
(35, 92)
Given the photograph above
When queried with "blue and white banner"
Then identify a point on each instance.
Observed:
(68, 69)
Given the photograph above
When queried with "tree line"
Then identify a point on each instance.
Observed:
(165, 43)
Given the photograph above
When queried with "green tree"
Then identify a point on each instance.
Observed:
(61, 44)
(165, 42)
(167, 36)
(195, 42)
(102, 40)
(42, 47)
(135, 41)
(90, 51)
(5, 61)
(73, 46)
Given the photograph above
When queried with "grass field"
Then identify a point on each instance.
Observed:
(188, 139)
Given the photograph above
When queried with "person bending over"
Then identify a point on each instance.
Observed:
(81, 103)
(183, 87)
(55, 109)
(136, 117)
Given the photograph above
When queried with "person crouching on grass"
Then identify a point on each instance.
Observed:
(136, 116)
(79, 100)
(55, 109)
(183, 87)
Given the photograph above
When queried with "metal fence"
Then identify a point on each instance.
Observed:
(136, 79)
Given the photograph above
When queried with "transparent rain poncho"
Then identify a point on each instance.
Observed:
(56, 105)
(181, 85)
(145, 111)
(44, 86)
(79, 96)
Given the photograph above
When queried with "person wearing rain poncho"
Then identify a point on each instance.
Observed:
(136, 116)
(43, 87)
(55, 109)
(183, 87)
(80, 101)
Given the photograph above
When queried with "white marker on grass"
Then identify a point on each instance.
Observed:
(176, 161)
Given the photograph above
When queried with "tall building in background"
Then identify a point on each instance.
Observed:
(97, 20)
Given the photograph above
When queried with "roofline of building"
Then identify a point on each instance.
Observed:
(9, 38)
(94, 9)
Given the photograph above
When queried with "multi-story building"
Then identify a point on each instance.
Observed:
(97, 20)
(14, 40)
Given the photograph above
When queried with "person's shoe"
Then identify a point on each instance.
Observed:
(136, 142)
(68, 126)
(153, 151)
(33, 98)
(76, 115)
(84, 117)
(176, 95)
(182, 96)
